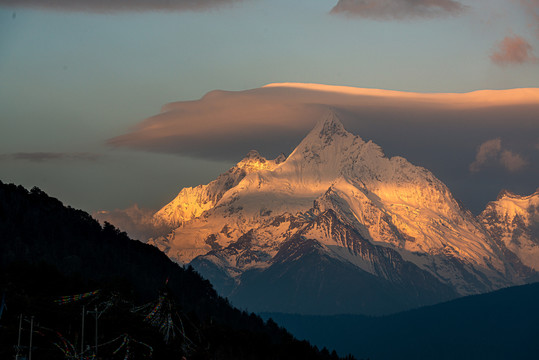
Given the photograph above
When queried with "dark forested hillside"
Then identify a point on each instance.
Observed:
(500, 325)
(151, 307)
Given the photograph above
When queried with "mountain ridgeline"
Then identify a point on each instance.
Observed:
(48, 251)
(338, 227)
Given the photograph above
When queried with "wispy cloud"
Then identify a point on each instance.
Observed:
(532, 10)
(105, 6)
(491, 153)
(49, 156)
(398, 9)
(513, 50)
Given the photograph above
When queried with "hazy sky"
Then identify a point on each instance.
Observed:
(75, 74)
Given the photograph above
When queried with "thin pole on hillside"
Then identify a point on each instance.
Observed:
(82, 333)
(31, 336)
(95, 309)
(17, 356)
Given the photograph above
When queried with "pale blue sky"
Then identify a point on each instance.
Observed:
(71, 80)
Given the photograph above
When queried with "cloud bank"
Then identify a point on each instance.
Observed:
(49, 156)
(105, 6)
(487, 152)
(512, 161)
(513, 50)
(398, 9)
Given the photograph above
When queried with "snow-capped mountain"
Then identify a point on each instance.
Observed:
(514, 220)
(335, 227)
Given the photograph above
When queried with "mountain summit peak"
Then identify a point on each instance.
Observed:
(326, 142)
(253, 154)
(328, 127)
(253, 161)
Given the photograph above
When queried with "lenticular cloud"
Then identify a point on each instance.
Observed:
(223, 125)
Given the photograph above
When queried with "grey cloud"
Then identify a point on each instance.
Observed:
(487, 152)
(512, 161)
(398, 9)
(513, 50)
(105, 6)
(491, 153)
(49, 156)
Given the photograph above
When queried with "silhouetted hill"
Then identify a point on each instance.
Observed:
(499, 325)
(48, 250)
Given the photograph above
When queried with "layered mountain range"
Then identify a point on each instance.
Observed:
(339, 227)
